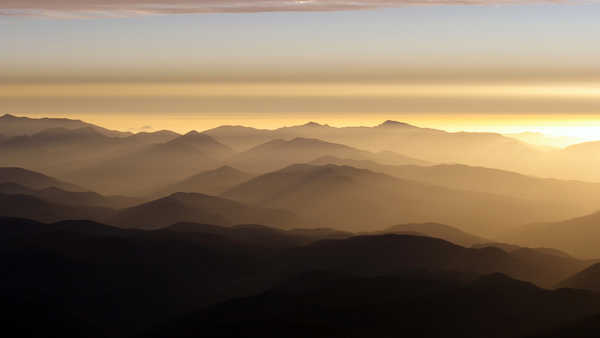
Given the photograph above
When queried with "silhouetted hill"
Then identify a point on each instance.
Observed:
(385, 254)
(583, 328)
(11, 125)
(61, 151)
(512, 248)
(359, 200)
(260, 235)
(575, 198)
(37, 316)
(410, 305)
(33, 180)
(212, 182)
(199, 208)
(436, 230)
(122, 280)
(160, 136)
(23, 206)
(575, 236)
(430, 145)
(108, 273)
(395, 124)
(59, 196)
(202, 143)
(588, 279)
(277, 154)
(577, 162)
(144, 170)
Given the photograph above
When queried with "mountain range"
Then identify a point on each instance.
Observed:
(576, 236)
(11, 125)
(361, 200)
(211, 182)
(301, 231)
(575, 197)
(199, 208)
(321, 304)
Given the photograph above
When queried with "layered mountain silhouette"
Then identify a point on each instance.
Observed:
(212, 182)
(33, 180)
(513, 248)
(574, 197)
(145, 169)
(278, 154)
(60, 196)
(490, 150)
(321, 304)
(261, 235)
(436, 230)
(107, 273)
(24, 206)
(301, 231)
(575, 236)
(588, 279)
(62, 152)
(427, 144)
(372, 256)
(360, 200)
(583, 328)
(11, 125)
(199, 208)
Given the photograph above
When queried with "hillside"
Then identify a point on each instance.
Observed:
(199, 208)
(360, 200)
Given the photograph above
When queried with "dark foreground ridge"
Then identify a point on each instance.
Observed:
(251, 280)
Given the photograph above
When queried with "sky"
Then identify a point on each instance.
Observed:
(505, 66)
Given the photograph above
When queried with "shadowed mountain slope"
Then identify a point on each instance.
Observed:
(360, 200)
(145, 169)
(260, 235)
(11, 125)
(583, 328)
(321, 304)
(277, 154)
(33, 180)
(576, 198)
(431, 145)
(588, 279)
(576, 236)
(23, 206)
(107, 273)
(64, 152)
(212, 182)
(199, 208)
(577, 162)
(436, 230)
(60, 196)
(372, 256)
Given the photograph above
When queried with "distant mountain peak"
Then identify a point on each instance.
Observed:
(395, 124)
(312, 124)
(192, 133)
(226, 168)
(8, 117)
(195, 137)
(60, 131)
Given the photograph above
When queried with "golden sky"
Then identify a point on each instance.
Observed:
(503, 66)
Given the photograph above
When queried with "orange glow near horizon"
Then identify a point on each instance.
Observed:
(568, 110)
(270, 89)
(572, 129)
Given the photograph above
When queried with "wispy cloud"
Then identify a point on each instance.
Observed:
(124, 8)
